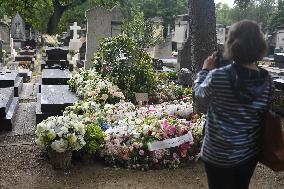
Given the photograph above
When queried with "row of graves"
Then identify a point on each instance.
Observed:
(54, 94)
(15, 67)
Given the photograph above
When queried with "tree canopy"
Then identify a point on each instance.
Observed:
(45, 15)
(52, 16)
(262, 11)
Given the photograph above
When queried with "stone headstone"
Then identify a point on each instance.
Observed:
(185, 77)
(184, 56)
(6, 19)
(221, 35)
(57, 58)
(18, 31)
(31, 43)
(101, 23)
(5, 36)
(75, 43)
(181, 32)
(280, 39)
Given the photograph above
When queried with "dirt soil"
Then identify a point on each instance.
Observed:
(22, 165)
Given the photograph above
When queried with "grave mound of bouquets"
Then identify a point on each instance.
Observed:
(165, 135)
(126, 135)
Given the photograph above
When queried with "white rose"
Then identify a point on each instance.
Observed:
(64, 130)
(72, 138)
(59, 146)
(104, 97)
(40, 143)
(51, 134)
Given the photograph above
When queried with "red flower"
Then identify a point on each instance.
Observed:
(183, 148)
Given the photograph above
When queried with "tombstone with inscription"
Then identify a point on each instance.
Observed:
(5, 34)
(18, 31)
(75, 42)
(101, 23)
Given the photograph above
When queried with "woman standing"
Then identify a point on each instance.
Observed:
(236, 95)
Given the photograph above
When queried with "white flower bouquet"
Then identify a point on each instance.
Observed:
(51, 40)
(61, 134)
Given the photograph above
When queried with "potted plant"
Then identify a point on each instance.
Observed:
(60, 136)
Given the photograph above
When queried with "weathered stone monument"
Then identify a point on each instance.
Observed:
(18, 31)
(280, 39)
(5, 34)
(101, 23)
(75, 43)
(181, 32)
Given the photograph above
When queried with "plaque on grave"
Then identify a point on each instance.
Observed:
(142, 97)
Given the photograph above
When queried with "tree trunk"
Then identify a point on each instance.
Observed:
(202, 28)
(202, 23)
(55, 18)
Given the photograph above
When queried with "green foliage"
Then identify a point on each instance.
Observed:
(261, 11)
(140, 30)
(168, 90)
(167, 9)
(38, 12)
(133, 74)
(278, 16)
(223, 14)
(172, 75)
(94, 138)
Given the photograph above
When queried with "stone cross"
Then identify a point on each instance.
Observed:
(75, 29)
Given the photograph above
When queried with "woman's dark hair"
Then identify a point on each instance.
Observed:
(245, 42)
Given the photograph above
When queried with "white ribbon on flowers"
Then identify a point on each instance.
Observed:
(169, 143)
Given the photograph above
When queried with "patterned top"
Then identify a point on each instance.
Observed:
(232, 130)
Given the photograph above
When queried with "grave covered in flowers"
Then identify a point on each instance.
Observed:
(164, 133)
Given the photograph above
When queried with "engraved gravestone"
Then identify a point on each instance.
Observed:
(18, 31)
(5, 35)
(101, 23)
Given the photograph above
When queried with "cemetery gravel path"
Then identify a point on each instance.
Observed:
(23, 166)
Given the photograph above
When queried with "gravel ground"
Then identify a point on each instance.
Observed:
(24, 166)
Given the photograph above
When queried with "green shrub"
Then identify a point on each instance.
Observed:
(94, 138)
(131, 74)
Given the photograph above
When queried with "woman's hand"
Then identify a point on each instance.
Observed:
(209, 63)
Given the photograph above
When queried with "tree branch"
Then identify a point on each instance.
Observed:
(73, 4)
